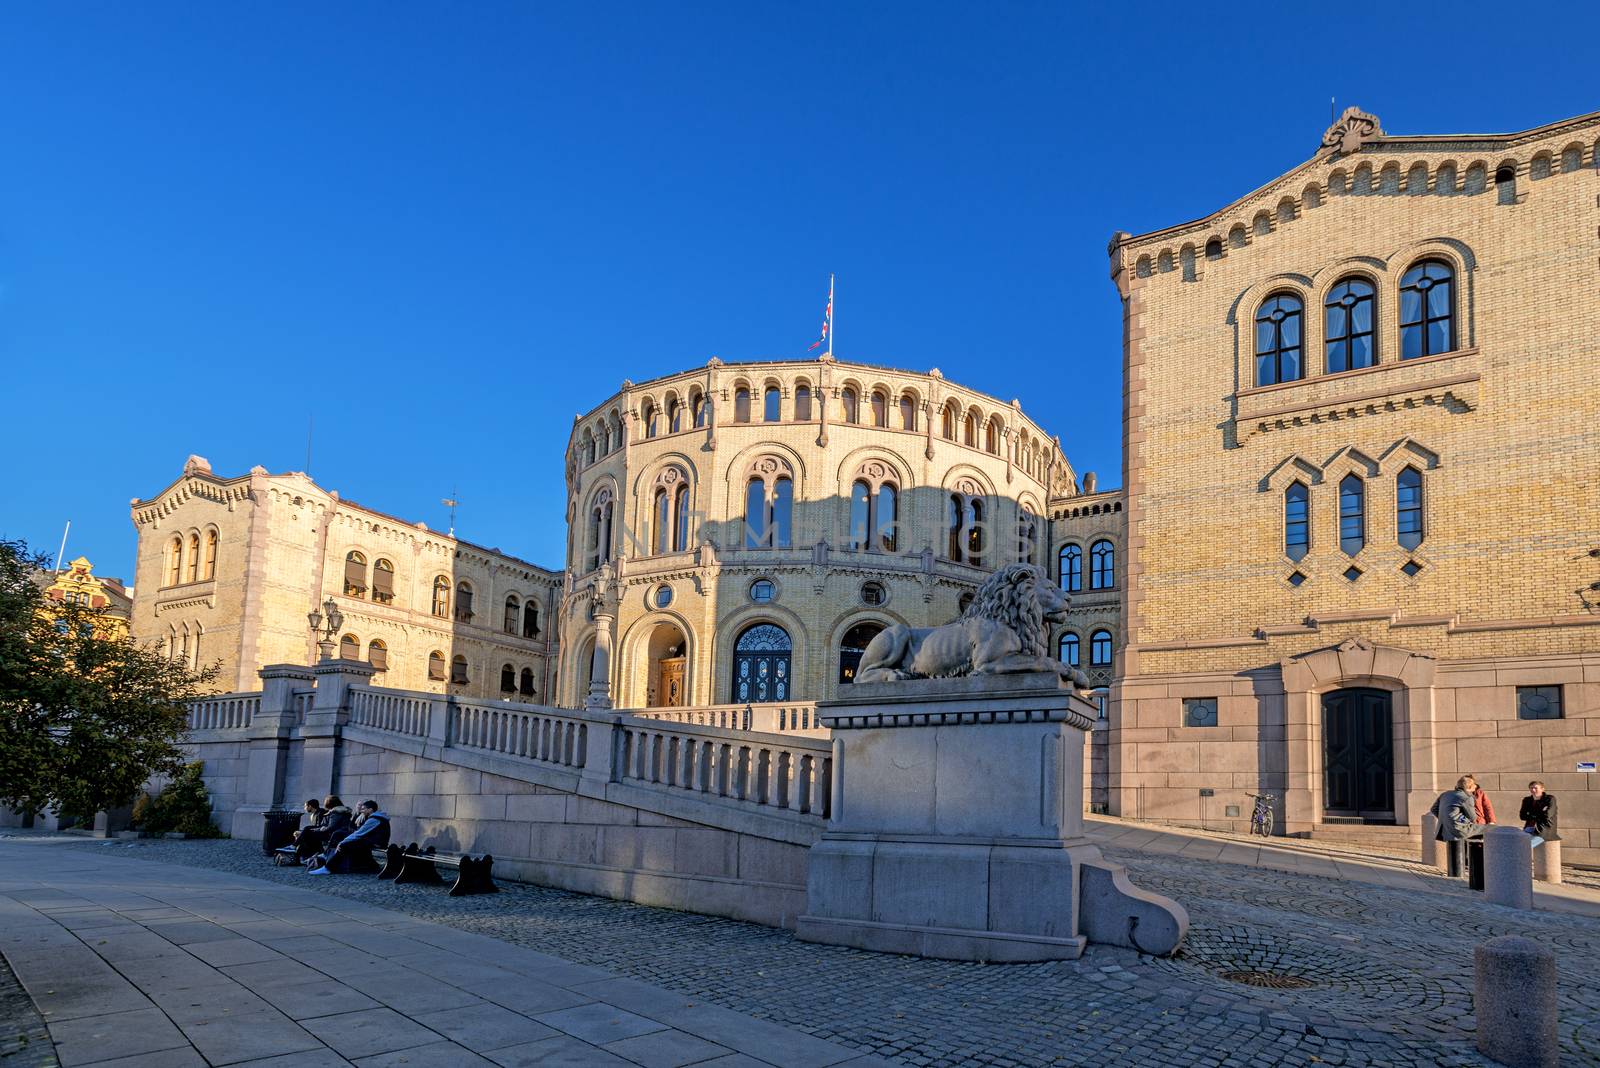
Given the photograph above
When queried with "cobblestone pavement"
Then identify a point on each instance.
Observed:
(24, 1041)
(1389, 972)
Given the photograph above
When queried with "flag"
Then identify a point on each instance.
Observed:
(827, 319)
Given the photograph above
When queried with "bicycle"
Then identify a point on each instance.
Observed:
(1261, 816)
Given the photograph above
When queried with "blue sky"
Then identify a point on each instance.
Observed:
(444, 229)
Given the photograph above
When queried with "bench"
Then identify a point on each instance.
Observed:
(474, 875)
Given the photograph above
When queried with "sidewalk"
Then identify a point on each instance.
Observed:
(156, 966)
(1305, 856)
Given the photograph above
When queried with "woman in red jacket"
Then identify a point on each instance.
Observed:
(1480, 801)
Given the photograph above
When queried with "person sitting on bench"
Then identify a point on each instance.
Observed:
(372, 832)
(329, 822)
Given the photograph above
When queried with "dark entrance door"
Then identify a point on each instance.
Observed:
(761, 664)
(1358, 744)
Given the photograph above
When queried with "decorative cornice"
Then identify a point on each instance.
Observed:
(1352, 130)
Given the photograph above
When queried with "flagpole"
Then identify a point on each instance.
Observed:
(830, 313)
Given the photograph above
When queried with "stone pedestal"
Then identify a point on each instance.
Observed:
(270, 733)
(1547, 862)
(1508, 867)
(1514, 998)
(1430, 841)
(958, 828)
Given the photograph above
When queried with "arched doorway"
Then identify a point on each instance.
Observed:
(664, 656)
(762, 664)
(852, 645)
(1358, 753)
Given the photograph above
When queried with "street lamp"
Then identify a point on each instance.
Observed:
(335, 624)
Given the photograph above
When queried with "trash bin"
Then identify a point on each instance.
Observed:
(1475, 863)
(277, 830)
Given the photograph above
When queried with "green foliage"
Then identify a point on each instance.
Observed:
(85, 719)
(181, 806)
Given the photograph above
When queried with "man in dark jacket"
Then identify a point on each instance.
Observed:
(332, 823)
(1538, 814)
(354, 850)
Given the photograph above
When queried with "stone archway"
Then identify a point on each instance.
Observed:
(666, 654)
(1357, 664)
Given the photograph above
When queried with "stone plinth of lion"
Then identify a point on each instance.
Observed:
(1003, 631)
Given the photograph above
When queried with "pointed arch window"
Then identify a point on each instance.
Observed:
(772, 405)
(1102, 565)
(1278, 340)
(210, 571)
(513, 613)
(1067, 650)
(1352, 515)
(355, 574)
(441, 597)
(1408, 508)
(1296, 520)
(382, 581)
(1427, 310)
(1070, 560)
(1349, 316)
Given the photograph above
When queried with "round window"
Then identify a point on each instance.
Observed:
(762, 591)
(663, 596)
(873, 593)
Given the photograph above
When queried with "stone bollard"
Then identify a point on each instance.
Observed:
(1508, 867)
(1547, 862)
(1430, 841)
(1514, 997)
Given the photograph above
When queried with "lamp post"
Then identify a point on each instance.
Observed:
(335, 624)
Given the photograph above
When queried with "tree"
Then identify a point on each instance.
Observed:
(85, 719)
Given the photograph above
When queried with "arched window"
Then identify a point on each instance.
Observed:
(588, 448)
(526, 688)
(508, 679)
(513, 613)
(1352, 515)
(1071, 567)
(1214, 249)
(908, 412)
(598, 545)
(436, 666)
(464, 601)
(1505, 185)
(210, 571)
(991, 438)
(1296, 520)
(802, 402)
(975, 518)
(880, 408)
(964, 516)
(350, 647)
(762, 665)
(1348, 320)
(378, 655)
(530, 619)
(1427, 310)
(648, 413)
(852, 645)
(1067, 649)
(947, 424)
(697, 404)
(680, 510)
(382, 581)
(674, 416)
(860, 515)
(772, 405)
(1278, 340)
(458, 671)
(741, 404)
(355, 574)
(191, 560)
(441, 597)
(1100, 648)
(885, 520)
(849, 405)
(663, 520)
(175, 560)
(970, 434)
(769, 510)
(1027, 535)
(952, 522)
(1102, 565)
(1408, 508)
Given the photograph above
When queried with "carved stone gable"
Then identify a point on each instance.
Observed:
(1354, 129)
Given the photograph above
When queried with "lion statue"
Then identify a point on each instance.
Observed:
(1002, 632)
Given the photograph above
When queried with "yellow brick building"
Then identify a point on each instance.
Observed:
(1360, 475)
(229, 568)
(77, 584)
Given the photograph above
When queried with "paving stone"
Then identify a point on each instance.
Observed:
(307, 1001)
(226, 1039)
(599, 1023)
(436, 1055)
(224, 953)
(371, 1031)
(117, 1034)
(485, 1027)
(562, 1052)
(666, 1049)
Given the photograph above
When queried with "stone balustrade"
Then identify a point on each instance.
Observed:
(229, 711)
(391, 710)
(740, 768)
(302, 704)
(789, 717)
(531, 732)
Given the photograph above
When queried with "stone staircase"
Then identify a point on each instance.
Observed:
(1384, 839)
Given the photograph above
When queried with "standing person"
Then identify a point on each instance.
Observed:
(371, 833)
(1538, 814)
(1480, 802)
(1458, 821)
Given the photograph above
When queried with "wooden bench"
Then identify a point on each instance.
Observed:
(474, 875)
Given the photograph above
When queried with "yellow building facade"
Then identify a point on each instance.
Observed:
(1360, 488)
(77, 584)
